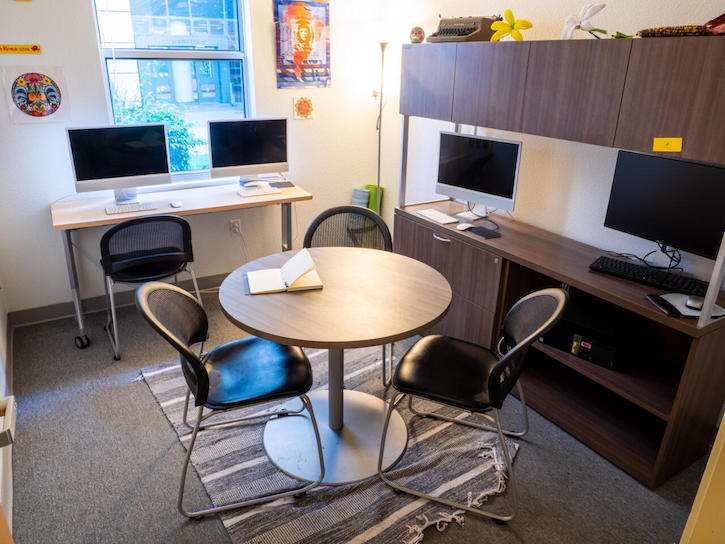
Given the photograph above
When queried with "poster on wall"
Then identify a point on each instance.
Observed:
(35, 94)
(303, 43)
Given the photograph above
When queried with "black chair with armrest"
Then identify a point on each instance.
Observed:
(352, 226)
(234, 375)
(467, 376)
(144, 249)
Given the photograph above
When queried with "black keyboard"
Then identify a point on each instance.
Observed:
(669, 281)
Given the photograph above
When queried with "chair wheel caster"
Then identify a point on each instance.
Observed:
(300, 495)
(198, 518)
(82, 342)
(499, 521)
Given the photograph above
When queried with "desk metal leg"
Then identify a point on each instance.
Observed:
(81, 340)
(335, 370)
(286, 226)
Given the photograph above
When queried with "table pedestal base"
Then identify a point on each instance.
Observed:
(350, 455)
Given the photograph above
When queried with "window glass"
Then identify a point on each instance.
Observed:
(184, 94)
(169, 24)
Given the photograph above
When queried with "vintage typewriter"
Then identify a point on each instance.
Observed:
(464, 29)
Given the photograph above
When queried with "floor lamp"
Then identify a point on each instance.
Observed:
(383, 45)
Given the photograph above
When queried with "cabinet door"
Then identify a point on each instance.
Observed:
(574, 89)
(466, 321)
(489, 85)
(475, 274)
(423, 244)
(675, 88)
(426, 86)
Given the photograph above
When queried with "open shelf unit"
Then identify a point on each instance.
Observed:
(655, 411)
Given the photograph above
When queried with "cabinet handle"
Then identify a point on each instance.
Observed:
(440, 238)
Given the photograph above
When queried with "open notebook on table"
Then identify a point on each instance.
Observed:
(297, 274)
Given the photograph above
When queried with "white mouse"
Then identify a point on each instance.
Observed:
(464, 226)
(175, 203)
(249, 184)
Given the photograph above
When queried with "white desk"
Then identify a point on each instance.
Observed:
(69, 215)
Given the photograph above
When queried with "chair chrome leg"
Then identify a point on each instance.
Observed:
(517, 434)
(190, 270)
(258, 500)
(186, 409)
(111, 319)
(477, 511)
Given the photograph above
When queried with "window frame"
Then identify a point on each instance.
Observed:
(188, 178)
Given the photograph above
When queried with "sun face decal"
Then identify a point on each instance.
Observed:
(36, 94)
(303, 108)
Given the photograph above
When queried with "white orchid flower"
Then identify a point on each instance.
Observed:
(574, 22)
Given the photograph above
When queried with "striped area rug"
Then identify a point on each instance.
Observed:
(456, 462)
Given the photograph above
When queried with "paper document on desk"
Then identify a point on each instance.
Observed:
(297, 274)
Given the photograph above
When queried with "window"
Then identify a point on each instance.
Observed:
(175, 61)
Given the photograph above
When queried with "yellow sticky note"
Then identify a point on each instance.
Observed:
(20, 49)
(667, 144)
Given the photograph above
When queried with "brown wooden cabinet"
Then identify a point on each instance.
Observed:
(489, 84)
(675, 88)
(652, 415)
(473, 274)
(574, 88)
(426, 87)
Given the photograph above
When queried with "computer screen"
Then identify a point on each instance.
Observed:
(678, 203)
(118, 157)
(248, 146)
(478, 169)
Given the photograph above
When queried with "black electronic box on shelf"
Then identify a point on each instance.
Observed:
(590, 330)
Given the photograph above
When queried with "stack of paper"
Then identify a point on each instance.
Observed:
(297, 274)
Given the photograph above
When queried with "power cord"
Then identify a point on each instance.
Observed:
(496, 228)
(672, 254)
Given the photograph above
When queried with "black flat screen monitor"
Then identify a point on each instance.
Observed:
(477, 169)
(678, 203)
(119, 156)
(248, 146)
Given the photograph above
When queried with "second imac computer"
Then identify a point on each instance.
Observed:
(478, 170)
(120, 157)
(248, 147)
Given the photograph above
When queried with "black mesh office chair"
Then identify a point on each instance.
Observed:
(140, 250)
(473, 378)
(352, 226)
(234, 375)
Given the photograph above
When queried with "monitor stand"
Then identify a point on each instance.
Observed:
(126, 196)
(478, 211)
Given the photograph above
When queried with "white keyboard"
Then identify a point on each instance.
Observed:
(258, 191)
(132, 207)
(438, 217)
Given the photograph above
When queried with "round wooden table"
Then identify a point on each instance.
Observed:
(369, 298)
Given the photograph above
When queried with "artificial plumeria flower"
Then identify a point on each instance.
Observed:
(509, 26)
(581, 21)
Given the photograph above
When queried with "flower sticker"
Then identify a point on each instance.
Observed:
(509, 26)
(303, 108)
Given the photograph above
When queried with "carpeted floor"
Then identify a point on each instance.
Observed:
(95, 460)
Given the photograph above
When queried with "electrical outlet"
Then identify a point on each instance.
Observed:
(235, 226)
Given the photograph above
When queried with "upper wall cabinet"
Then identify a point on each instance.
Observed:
(489, 85)
(426, 88)
(676, 89)
(574, 89)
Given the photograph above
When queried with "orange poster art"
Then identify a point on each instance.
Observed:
(303, 43)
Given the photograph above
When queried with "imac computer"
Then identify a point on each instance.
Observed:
(247, 147)
(479, 170)
(120, 157)
(677, 203)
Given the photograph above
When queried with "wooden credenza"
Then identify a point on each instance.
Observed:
(655, 413)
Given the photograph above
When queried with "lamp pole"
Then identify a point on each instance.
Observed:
(383, 45)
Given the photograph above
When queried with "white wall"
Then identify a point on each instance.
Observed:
(563, 185)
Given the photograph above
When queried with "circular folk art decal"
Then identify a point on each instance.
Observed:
(303, 108)
(36, 94)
